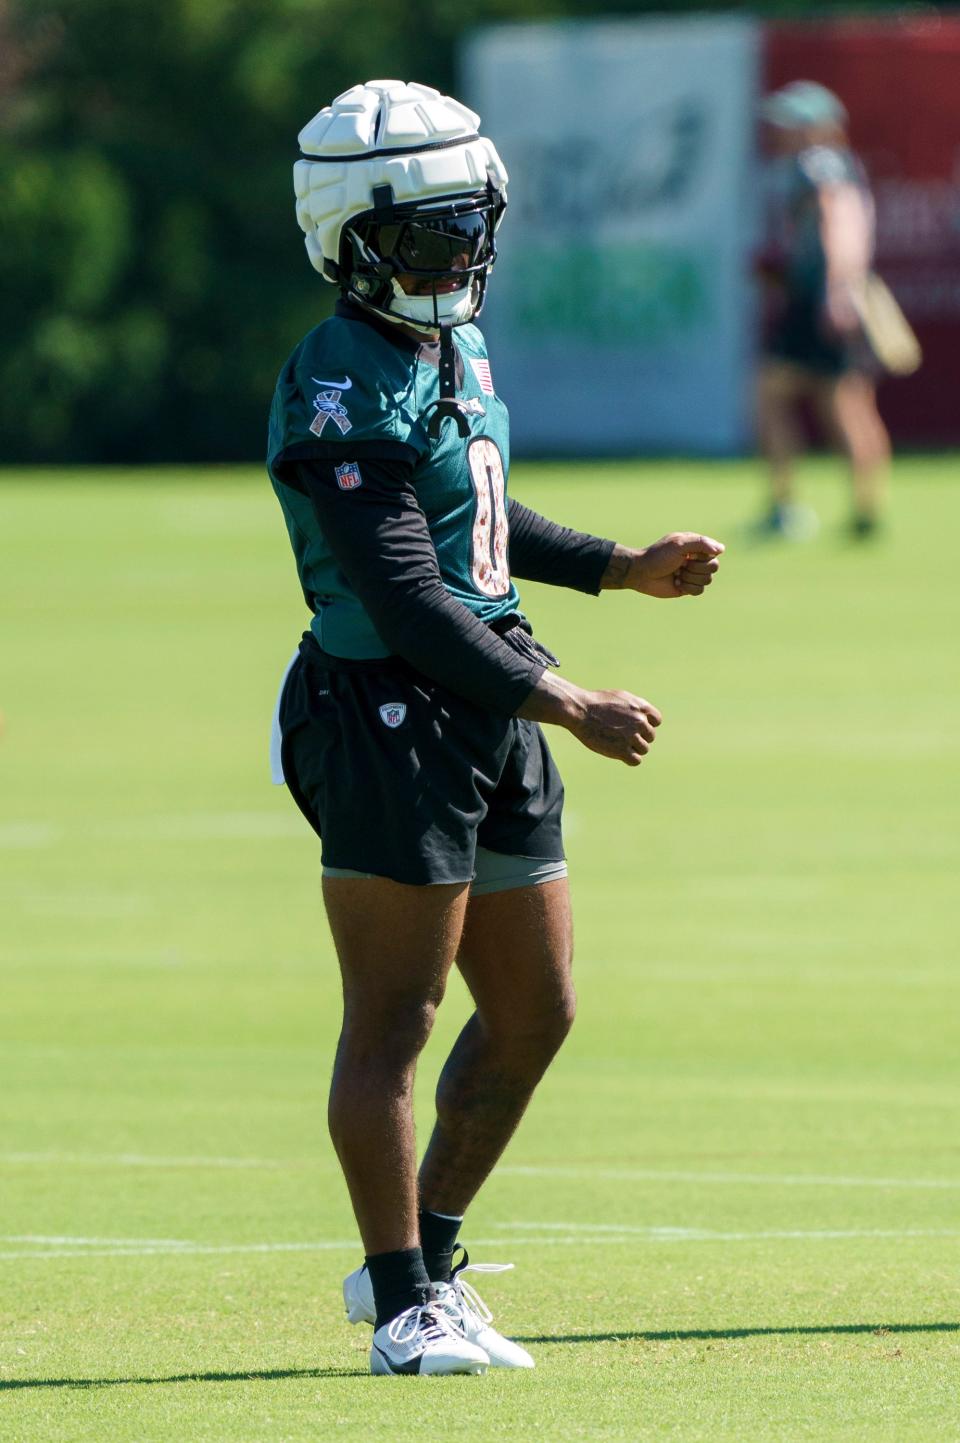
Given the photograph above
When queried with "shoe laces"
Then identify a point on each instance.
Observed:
(428, 1323)
(465, 1294)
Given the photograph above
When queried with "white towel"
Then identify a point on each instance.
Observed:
(276, 739)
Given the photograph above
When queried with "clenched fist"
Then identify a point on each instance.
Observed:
(616, 724)
(681, 564)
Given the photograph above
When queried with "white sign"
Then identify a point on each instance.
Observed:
(619, 312)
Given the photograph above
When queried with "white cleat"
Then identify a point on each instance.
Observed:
(424, 1342)
(461, 1304)
(464, 1306)
(358, 1297)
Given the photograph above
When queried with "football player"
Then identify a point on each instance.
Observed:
(408, 724)
(817, 258)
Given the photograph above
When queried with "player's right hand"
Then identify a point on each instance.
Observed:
(616, 724)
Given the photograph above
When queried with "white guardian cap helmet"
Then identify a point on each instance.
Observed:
(395, 179)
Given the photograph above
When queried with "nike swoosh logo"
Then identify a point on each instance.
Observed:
(344, 385)
(412, 1366)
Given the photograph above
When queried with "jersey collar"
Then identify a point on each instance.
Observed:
(351, 311)
(427, 351)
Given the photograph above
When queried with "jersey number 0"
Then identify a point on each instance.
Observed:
(489, 566)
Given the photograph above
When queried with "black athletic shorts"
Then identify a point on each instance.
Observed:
(799, 336)
(403, 779)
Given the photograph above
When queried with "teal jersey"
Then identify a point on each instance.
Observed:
(349, 391)
(811, 171)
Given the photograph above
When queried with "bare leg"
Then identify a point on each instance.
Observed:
(396, 945)
(848, 408)
(779, 387)
(515, 956)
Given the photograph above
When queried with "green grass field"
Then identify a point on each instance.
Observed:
(734, 1205)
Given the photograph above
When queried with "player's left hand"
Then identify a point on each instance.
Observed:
(841, 319)
(681, 564)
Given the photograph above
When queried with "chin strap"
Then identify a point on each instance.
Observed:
(448, 405)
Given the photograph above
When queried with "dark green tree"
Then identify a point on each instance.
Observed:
(151, 272)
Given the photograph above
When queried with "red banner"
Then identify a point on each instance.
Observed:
(900, 82)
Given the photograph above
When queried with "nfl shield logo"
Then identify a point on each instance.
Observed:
(348, 476)
(392, 713)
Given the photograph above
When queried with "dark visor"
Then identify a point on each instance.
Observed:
(444, 244)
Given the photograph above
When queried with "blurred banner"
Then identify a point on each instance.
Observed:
(620, 314)
(900, 81)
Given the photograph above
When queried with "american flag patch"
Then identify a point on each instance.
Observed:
(481, 370)
(348, 476)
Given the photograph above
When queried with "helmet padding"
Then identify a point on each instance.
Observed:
(383, 151)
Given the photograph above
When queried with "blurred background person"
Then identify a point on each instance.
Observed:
(818, 248)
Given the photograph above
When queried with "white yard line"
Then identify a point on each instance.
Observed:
(575, 1235)
(599, 1232)
(798, 1179)
(583, 1171)
(74, 1242)
(204, 827)
(139, 1159)
(17, 835)
(145, 1248)
(160, 827)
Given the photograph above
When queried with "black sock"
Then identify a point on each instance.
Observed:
(438, 1238)
(400, 1281)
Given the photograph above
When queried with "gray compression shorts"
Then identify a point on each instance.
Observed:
(495, 872)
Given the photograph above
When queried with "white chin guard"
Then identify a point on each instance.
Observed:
(453, 308)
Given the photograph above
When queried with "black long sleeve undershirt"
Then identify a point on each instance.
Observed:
(380, 539)
(542, 550)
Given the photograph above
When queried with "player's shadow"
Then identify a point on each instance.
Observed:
(257, 1375)
(669, 1335)
(682, 1335)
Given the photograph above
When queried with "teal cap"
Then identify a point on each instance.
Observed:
(802, 103)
